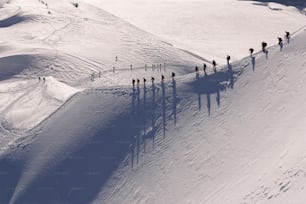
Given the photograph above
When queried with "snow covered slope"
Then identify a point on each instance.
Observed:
(66, 45)
(210, 28)
(235, 136)
(249, 150)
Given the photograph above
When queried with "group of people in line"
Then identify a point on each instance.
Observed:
(280, 43)
(137, 81)
(228, 58)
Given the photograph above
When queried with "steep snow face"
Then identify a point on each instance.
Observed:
(249, 150)
(212, 29)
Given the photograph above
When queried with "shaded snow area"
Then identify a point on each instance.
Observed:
(73, 129)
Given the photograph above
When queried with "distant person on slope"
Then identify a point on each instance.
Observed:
(204, 68)
(196, 69)
(214, 65)
(287, 36)
(263, 47)
(280, 43)
(251, 52)
(228, 58)
(133, 82)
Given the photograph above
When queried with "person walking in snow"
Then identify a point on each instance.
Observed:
(287, 36)
(44, 79)
(214, 65)
(251, 52)
(196, 69)
(204, 68)
(133, 82)
(172, 75)
(138, 81)
(228, 58)
(152, 80)
(280, 43)
(144, 80)
(264, 46)
(38, 79)
(162, 78)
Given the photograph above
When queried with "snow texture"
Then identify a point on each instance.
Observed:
(73, 129)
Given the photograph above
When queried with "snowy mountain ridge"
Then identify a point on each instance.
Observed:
(231, 136)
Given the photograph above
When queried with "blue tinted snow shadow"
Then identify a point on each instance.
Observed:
(12, 21)
(13, 65)
(299, 4)
(76, 150)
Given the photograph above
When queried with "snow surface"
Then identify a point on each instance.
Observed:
(232, 136)
(212, 29)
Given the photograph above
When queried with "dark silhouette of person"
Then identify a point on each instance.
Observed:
(287, 36)
(138, 81)
(133, 82)
(172, 74)
(228, 58)
(264, 46)
(280, 43)
(214, 65)
(162, 78)
(144, 80)
(44, 79)
(152, 79)
(38, 79)
(204, 68)
(251, 51)
(196, 69)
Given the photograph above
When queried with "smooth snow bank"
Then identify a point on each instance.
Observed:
(212, 29)
(26, 103)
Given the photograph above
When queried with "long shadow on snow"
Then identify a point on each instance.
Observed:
(214, 84)
(299, 4)
(12, 21)
(73, 172)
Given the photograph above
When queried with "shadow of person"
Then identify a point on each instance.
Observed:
(218, 97)
(230, 76)
(164, 107)
(208, 104)
(253, 61)
(174, 100)
(199, 101)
